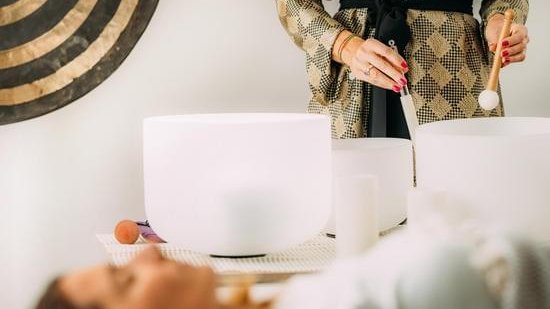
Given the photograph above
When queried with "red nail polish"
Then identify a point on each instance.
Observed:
(505, 43)
(505, 53)
(396, 88)
(404, 65)
(403, 81)
(507, 60)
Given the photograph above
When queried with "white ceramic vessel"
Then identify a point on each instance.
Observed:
(237, 184)
(391, 160)
(494, 170)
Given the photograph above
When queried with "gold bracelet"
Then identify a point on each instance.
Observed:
(344, 43)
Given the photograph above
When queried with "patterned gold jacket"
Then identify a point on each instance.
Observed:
(447, 56)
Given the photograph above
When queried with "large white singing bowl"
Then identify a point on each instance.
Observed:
(237, 184)
(495, 169)
(391, 160)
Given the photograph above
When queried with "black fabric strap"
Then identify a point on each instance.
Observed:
(461, 6)
(389, 19)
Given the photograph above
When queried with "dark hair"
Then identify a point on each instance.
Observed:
(53, 298)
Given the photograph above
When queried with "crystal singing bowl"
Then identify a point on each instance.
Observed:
(391, 160)
(495, 170)
(237, 184)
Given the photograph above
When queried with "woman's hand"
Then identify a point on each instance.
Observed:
(373, 62)
(514, 47)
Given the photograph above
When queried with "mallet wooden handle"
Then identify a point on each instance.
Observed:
(497, 61)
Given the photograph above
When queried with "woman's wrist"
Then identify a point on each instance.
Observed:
(345, 46)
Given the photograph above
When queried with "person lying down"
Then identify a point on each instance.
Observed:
(404, 272)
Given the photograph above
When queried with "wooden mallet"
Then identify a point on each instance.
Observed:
(488, 98)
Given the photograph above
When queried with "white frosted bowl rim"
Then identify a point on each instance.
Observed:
(235, 118)
(488, 127)
(369, 143)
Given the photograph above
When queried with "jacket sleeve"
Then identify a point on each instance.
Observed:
(492, 7)
(314, 31)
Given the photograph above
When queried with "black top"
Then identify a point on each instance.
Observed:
(462, 6)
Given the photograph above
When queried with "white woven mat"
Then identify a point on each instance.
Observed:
(312, 256)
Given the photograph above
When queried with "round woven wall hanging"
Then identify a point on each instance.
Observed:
(54, 52)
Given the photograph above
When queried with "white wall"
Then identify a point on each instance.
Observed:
(76, 172)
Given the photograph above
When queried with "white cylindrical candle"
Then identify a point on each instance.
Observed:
(356, 207)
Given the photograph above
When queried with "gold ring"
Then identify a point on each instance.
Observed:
(367, 70)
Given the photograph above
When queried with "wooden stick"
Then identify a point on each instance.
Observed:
(497, 61)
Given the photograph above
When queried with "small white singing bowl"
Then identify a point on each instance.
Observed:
(237, 184)
(391, 160)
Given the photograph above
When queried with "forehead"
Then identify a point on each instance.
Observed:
(85, 286)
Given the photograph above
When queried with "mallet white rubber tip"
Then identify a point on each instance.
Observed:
(488, 99)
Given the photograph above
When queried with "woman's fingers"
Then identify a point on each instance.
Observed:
(375, 77)
(389, 65)
(514, 47)
(377, 47)
(389, 70)
(514, 50)
(379, 65)
(518, 35)
(516, 58)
